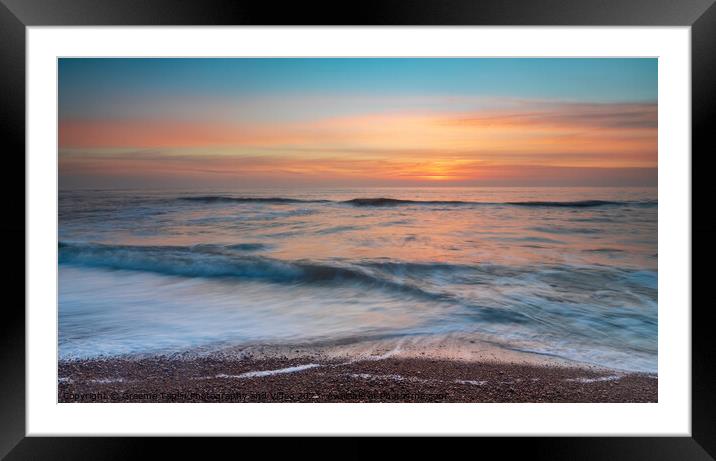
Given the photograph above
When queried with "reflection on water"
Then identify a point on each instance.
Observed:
(570, 272)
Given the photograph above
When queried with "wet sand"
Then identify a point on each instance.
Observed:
(321, 377)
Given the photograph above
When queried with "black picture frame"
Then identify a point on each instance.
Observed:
(700, 15)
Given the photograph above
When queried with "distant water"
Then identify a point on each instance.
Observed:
(568, 272)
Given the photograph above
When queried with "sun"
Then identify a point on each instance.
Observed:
(443, 170)
(437, 177)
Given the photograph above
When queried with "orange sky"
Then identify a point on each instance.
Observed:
(143, 122)
(421, 146)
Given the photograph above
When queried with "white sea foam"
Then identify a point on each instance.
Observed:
(469, 381)
(596, 380)
(259, 374)
(108, 380)
(390, 377)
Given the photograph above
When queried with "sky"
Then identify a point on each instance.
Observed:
(223, 123)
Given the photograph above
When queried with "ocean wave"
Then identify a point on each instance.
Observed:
(249, 246)
(211, 260)
(217, 260)
(225, 199)
(392, 202)
(382, 202)
(576, 204)
(424, 279)
(581, 301)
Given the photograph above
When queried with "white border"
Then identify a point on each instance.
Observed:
(671, 416)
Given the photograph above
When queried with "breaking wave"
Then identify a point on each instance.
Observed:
(390, 202)
(423, 280)
(209, 261)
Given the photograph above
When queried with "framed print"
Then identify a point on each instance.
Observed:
(443, 219)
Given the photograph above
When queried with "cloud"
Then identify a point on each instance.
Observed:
(576, 115)
(543, 138)
(190, 170)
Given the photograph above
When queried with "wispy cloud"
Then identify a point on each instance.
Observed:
(592, 116)
(518, 139)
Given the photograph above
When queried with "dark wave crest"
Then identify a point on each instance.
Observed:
(413, 280)
(392, 202)
(381, 201)
(227, 199)
(576, 204)
(210, 260)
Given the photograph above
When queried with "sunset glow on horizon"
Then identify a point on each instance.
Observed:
(357, 122)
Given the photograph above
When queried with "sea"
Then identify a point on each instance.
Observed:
(569, 273)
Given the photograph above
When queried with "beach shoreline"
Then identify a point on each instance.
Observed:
(324, 378)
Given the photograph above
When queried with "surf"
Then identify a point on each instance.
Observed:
(393, 202)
